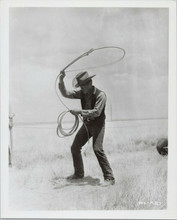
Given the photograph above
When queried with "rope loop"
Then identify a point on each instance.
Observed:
(64, 132)
(61, 132)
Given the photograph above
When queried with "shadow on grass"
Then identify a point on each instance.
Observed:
(88, 180)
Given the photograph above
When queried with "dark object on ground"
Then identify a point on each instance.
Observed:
(162, 146)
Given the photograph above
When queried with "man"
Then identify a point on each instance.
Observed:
(93, 103)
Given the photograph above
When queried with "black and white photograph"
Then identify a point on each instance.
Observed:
(90, 113)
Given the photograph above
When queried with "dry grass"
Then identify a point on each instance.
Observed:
(41, 162)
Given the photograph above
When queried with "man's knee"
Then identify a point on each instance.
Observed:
(98, 151)
(75, 149)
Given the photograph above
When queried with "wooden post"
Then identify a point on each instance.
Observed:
(11, 115)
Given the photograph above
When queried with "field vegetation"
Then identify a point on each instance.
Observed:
(42, 161)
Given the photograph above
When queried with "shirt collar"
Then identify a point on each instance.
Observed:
(94, 90)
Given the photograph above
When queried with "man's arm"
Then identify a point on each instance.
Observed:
(66, 93)
(92, 113)
(99, 105)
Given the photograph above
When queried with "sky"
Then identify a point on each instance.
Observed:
(42, 41)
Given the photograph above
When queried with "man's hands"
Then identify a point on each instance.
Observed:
(62, 75)
(75, 111)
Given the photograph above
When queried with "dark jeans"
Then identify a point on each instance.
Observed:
(97, 132)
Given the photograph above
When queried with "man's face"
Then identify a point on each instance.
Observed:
(86, 88)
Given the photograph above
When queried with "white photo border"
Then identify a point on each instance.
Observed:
(171, 211)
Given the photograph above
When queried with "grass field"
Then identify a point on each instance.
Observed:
(41, 162)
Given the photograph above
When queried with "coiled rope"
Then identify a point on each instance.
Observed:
(61, 132)
(64, 132)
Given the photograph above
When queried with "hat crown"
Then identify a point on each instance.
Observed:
(82, 76)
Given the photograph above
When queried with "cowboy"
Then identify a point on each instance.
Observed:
(93, 103)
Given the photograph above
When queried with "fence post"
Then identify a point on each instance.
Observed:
(11, 115)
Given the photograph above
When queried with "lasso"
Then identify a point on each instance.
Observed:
(63, 132)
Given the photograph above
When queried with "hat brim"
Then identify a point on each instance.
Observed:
(75, 83)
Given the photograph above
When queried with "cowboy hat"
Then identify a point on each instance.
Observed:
(81, 79)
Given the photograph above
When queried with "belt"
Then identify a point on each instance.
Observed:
(89, 119)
